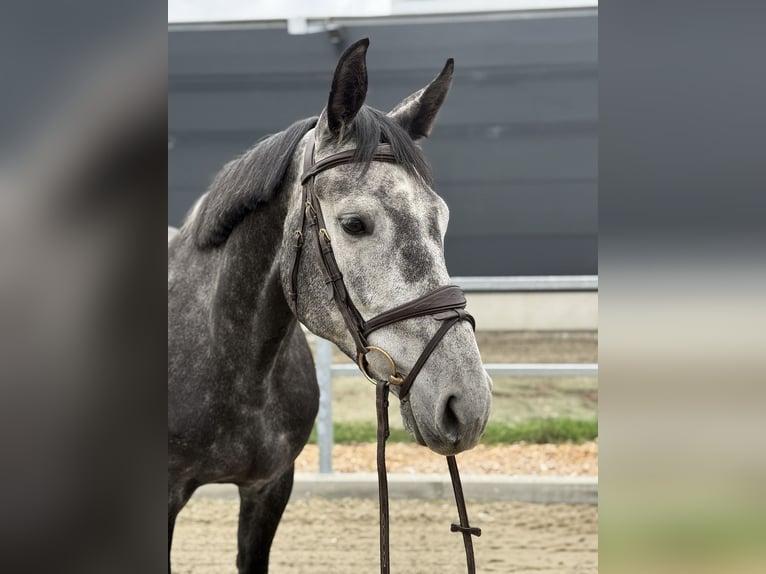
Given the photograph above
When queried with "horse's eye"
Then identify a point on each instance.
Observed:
(353, 225)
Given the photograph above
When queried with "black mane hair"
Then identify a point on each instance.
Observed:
(372, 127)
(244, 182)
(256, 176)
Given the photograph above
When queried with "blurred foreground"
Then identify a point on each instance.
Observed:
(681, 396)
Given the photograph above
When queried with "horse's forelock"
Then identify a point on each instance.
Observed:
(372, 127)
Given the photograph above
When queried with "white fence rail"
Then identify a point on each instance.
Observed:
(498, 369)
(542, 283)
(326, 369)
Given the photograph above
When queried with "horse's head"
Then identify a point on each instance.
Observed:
(387, 228)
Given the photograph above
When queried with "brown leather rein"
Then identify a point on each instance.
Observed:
(445, 304)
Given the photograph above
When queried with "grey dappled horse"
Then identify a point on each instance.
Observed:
(242, 392)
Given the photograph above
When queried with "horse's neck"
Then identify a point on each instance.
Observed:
(250, 316)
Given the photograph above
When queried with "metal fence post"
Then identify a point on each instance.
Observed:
(324, 418)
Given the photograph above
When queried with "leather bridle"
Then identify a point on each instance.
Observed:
(445, 304)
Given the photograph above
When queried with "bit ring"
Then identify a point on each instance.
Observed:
(394, 378)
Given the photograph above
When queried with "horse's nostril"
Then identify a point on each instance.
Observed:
(449, 422)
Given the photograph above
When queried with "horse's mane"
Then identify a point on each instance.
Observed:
(258, 174)
(243, 183)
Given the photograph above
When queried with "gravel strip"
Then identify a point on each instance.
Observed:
(520, 458)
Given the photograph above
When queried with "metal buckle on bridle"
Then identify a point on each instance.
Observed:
(394, 378)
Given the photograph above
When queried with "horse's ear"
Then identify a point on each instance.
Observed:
(417, 113)
(348, 91)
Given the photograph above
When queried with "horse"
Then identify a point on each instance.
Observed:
(242, 390)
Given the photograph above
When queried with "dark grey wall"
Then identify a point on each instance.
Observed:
(514, 152)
